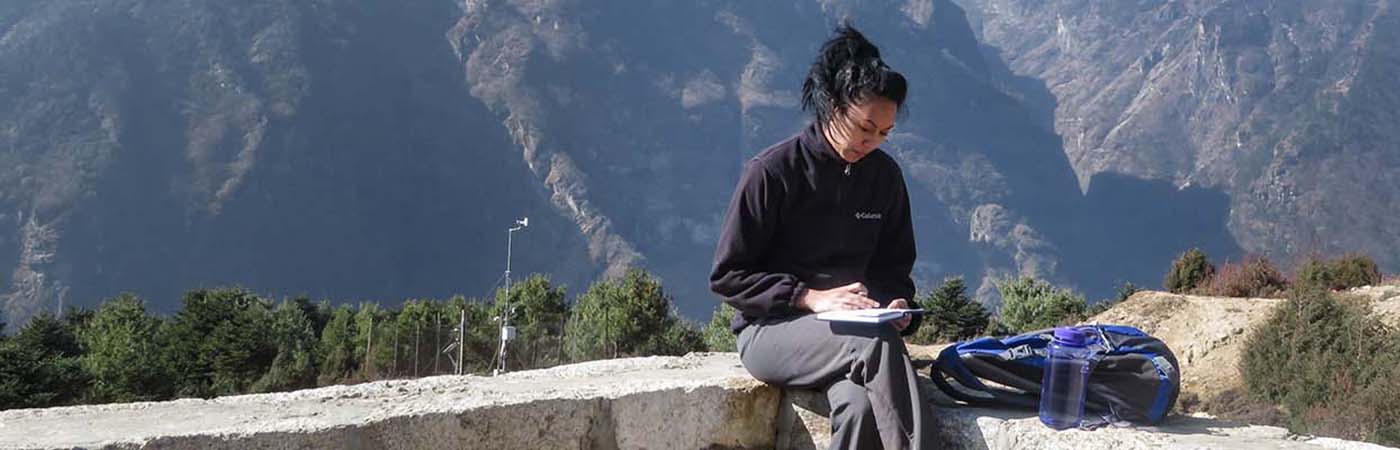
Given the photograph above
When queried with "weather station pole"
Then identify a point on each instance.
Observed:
(507, 331)
(462, 343)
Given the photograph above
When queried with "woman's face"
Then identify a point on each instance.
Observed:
(861, 128)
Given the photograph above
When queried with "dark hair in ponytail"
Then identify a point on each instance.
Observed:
(849, 70)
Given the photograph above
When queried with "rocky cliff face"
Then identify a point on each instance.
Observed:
(1287, 107)
(637, 118)
(325, 148)
(362, 149)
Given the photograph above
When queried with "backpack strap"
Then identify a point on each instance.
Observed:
(939, 376)
(949, 366)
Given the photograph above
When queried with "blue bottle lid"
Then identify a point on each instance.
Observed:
(1072, 337)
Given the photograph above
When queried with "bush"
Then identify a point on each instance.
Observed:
(950, 315)
(374, 325)
(1030, 304)
(39, 365)
(1350, 271)
(220, 343)
(680, 338)
(538, 315)
(483, 336)
(121, 353)
(629, 317)
(336, 348)
(1255, 277)
(717, 335)
(422, 325)
(1355, 270)
(1189, 272)
(1329, 364)
(294, 334)
(996, 328)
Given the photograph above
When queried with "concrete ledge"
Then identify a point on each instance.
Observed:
(691, 402)
(696, 401)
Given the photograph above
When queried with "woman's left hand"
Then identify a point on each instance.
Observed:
(900, 324)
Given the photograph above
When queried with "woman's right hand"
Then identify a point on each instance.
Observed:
(851, 296)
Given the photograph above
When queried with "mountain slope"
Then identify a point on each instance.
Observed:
(1285, 106)
(325, 148)
(639, 129)
(363, 149)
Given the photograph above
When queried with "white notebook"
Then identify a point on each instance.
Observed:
(873, 315)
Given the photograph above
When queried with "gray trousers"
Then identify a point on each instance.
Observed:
(863, 368)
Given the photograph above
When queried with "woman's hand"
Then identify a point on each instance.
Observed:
(851, 296)
(903, 322)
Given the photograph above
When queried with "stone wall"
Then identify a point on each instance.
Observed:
(691, 402)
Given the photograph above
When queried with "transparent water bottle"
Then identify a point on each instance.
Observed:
(1067, 367)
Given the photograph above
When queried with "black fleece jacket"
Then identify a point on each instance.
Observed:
(803, 218)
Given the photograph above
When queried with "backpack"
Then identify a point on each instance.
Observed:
(1135, 376)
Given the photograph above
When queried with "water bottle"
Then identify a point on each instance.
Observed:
(1066, 376)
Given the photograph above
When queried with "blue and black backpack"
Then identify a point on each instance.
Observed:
(1135, 377)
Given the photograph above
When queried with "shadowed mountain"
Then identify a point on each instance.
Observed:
(360, 149)
(326, 148)
(1287, 107)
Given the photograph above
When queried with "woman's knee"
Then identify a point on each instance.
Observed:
(762, 372)
(889, 333)
(756, 354)
(885, 336)
(883, 332)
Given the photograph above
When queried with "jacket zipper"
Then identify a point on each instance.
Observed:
(841, 187)
(845, 219)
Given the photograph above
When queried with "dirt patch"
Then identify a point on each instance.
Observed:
(1206, 333)
(1385, 302)
(1236, 405)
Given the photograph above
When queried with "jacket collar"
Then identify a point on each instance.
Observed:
(815, 144)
